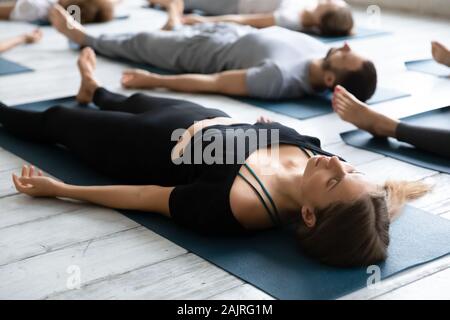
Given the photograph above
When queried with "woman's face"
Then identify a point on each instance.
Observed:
(327, 180)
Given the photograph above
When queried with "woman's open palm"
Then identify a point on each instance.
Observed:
(32, 182)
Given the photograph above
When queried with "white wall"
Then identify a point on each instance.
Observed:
(429, 7)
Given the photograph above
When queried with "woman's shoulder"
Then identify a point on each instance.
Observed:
(288, 134)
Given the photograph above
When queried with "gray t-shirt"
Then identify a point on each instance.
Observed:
(277, 59)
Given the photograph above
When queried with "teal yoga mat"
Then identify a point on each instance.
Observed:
(8, 67)
(360, 33)
(269, 260)
(439, 118)
(428, 66)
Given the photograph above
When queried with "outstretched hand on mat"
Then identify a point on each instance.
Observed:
(139, 79)
(32, 182)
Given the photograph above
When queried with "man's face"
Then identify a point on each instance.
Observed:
(343, 58)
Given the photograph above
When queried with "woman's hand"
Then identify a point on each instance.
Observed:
(139, 79)
(35, 184)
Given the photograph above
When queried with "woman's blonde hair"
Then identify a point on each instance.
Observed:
(357, 233)
(400, 192)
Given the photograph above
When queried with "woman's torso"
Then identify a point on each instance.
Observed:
(231, 193)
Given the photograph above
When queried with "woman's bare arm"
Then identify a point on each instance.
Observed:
(141, 198)
(259, 20)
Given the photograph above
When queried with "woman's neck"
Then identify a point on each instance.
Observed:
(288, 181)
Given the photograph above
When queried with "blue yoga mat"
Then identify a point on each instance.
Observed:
(46, 23)
(360, 33)
(269, 260)
(390, 147)
(8, 67)
(428, 66)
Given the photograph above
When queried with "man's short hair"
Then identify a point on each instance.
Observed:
(335, 23)
(362, 83)
(93, 11)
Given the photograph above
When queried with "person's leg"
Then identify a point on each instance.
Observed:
(157, 48)
(91, 91)
(352, 110)
(175, 10)
(433, 140)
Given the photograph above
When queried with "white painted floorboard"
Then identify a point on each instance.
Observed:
(41, 240)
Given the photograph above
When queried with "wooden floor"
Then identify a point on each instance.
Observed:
(44, 243)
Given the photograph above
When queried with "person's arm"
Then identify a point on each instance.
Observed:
(259, 20)
(231, 82)
(11, 43)
(141, 198)
(31, 37)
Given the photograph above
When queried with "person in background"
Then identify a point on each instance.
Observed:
(91, 11)
(226, 58)
(325, 17)
(430, 139)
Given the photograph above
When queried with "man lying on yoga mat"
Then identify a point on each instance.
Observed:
(38, 10)
(440, 53)
(326, 17)
(30, 37)
(343, 219)
(350, 109)
(271, 63)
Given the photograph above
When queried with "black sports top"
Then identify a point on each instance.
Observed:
(204, 203)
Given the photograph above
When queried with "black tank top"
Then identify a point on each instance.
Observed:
(204, 202)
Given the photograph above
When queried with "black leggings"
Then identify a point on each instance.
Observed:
(433, 140)
(128, 138)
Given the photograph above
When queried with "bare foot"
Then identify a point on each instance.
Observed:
(350, 109)
(440, 53)
(86, 64)
(66, 24)
(175, 10)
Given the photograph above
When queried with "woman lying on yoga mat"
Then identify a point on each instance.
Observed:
(30, 37)
(38, 10)
(350, 109)
(343, 219)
